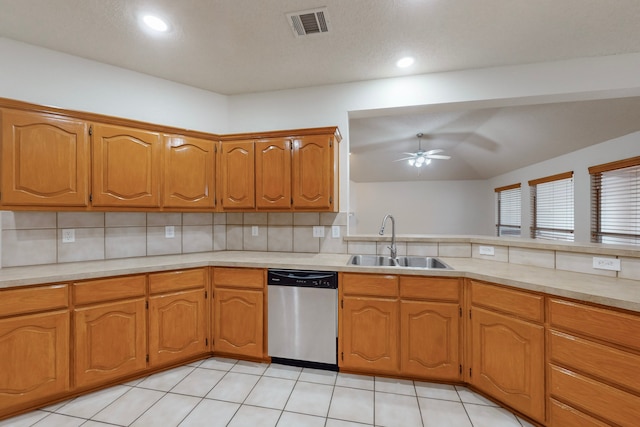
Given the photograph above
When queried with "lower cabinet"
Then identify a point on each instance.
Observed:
(110, 338)
(593, 365)
(430, 313)
(401, 325)
(34, 353)
(178, 316)
(238, 312)
(507, 347)
(370, 334)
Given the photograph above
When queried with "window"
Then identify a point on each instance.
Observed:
(615, 202)
(508, 210)
(552, 207)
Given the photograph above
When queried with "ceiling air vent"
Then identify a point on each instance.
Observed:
(307, 22)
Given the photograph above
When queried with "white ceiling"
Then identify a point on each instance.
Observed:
(246, 46)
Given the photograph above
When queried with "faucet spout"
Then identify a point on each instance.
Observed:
(393, 248)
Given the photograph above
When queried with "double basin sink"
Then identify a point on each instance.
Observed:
(401, 261)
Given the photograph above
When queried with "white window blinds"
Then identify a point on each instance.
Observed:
(552, 207)
(508, 210)
(615, 202)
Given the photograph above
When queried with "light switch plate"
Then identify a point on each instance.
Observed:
(318, 231)
(335, 231)
(68, 235)
(487, 250)
(169, 232)
(254, 230)
(606, 263)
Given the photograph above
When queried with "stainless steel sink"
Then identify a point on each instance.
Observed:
(372, 260)
(421, 262)
(403, 261)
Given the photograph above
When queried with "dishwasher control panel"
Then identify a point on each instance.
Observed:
(303, 278)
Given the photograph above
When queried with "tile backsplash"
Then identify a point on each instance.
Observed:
(31, 238)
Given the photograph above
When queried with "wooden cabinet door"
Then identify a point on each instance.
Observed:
(238, 322)
(237, 175)
(126, 167)
(369, 335)
(430, 340)
(110, 341)
(177, 326)
(313, 173)
(35, 359)
(45, 160)
(273, 174)
(508, 361)
(189, 173)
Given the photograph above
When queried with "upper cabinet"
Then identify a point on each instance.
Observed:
(45, 160)
(54, 159)
(293, 171)
(315, 173)
(189, 173)
(126, 167)
(273, 173)
(237, 175)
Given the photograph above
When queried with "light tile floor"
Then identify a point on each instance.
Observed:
(225, 392)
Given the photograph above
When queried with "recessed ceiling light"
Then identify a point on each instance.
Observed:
(155, 23)
(405, 62)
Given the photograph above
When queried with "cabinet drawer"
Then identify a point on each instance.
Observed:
(608, 325)
(431, 288)
(108, 289)
(177, 280)
(613, 365)
(370, 284)
(30, 300)
(239, 277)
(522, 304)
(594, 397)
(566, 416)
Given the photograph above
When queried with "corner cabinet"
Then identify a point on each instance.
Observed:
(45, 160)
(126, 167)
(507, 347)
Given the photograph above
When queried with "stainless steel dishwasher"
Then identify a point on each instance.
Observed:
(303, 318)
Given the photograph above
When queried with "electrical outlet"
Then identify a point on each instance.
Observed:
(254, 230)
(606, 263)
(318, 231)
(68, 235)
(487, 250)
(169, 232)
(335, 231)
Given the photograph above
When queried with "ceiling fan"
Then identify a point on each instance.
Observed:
(421, 157)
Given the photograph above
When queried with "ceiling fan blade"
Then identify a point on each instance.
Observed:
(438, 156)
(411, 154)
(436, 151)
(404, 158)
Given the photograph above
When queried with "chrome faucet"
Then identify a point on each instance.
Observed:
(392, 248)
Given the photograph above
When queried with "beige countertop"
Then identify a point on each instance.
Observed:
(620, 293)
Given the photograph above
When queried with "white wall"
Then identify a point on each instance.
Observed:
(579, 161)
(41, 76)
(47, 77)
(427, 207)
